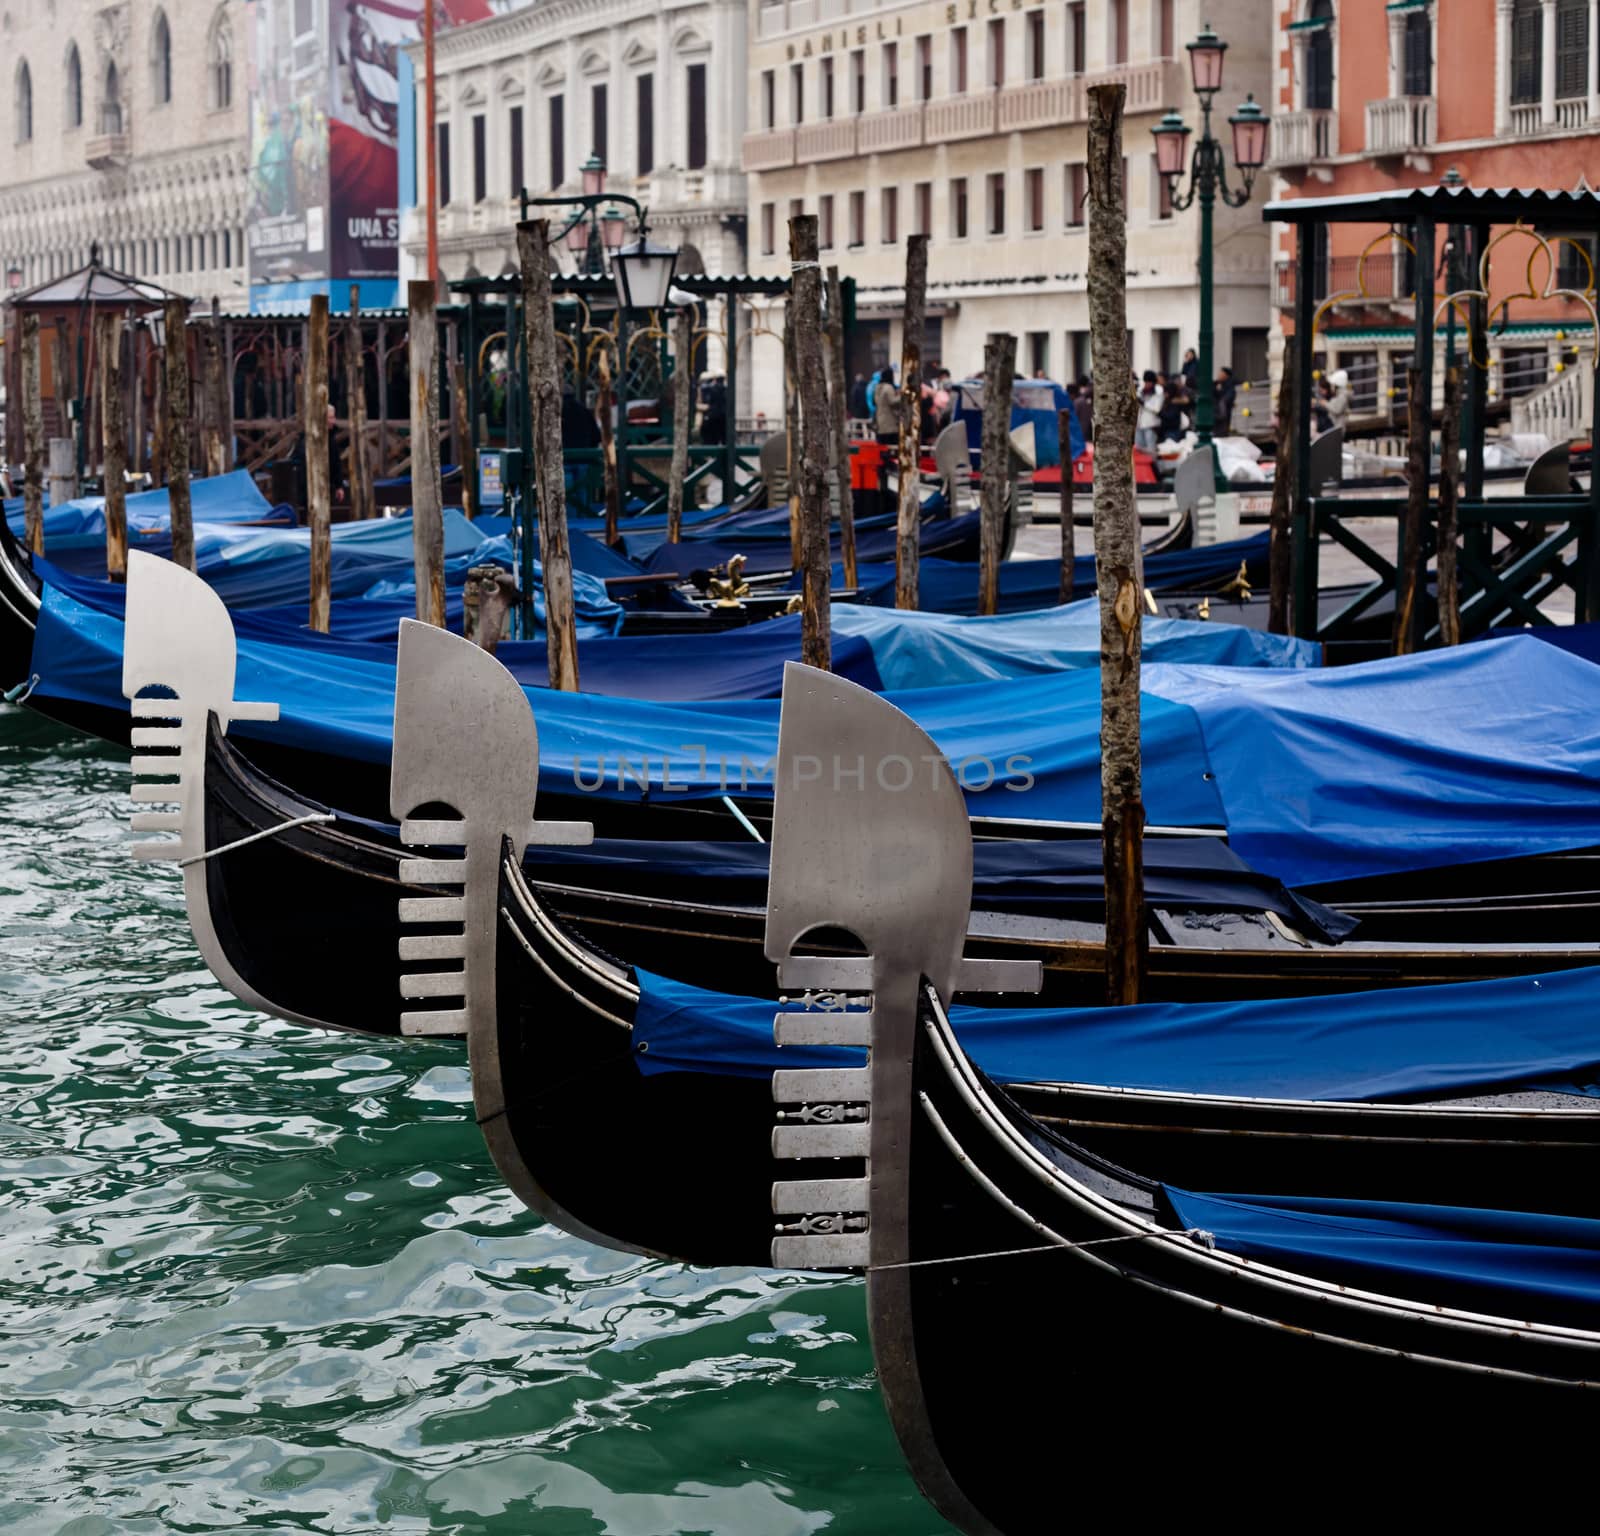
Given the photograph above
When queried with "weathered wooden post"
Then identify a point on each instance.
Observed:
(544, 401)
(319, 488)
(908, 528)
(792, 430)
(214, 450)
(355, 390)
(1280, 548)
(113, 442)
(1449, 494)
(427, 494)
(1069, 534)
(1116, 548)
(63, 470)
(805, 304)
(137, 357)
(999, 368)
(1419, 454)
(175, 388)
(682, 411)
(487, 602)
(458, 409)
(839, 406)
(608, 448)
(32, 435)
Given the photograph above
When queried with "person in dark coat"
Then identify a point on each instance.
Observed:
(858, 398)
(1226, 390)
(714, 419)
(579, 429)
(1191, 371)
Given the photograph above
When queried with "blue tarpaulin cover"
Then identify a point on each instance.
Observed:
(1399, 1043)
(80, 524)
(1511, 1264)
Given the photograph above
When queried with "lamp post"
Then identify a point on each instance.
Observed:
(1207, 182)
(13, 277)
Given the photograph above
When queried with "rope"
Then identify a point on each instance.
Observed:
(255, 837)
(743, 820)
(805, 266)
(1205, 1239)
(19, 694)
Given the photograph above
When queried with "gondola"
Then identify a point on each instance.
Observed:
(1030, 1301)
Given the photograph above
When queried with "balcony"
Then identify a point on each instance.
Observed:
(1152, 87)
(106, 151)
(969, 116)
(898, 128)
(1040, 104)
(1383, 279)
(1525, 117)
(769, 151)
(1303, 138)
(1401, 125)
(831, 140)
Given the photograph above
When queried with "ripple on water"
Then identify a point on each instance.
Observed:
(254, 1279)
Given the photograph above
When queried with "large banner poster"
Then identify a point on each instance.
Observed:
(324, 159)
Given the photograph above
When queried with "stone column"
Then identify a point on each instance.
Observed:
(1397, 52)
(1547, 63)
(1594, 61)
(1502, 65)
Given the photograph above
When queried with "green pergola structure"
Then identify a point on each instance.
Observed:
(1548, 541)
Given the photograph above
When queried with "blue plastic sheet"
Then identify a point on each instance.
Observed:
(1477, 752)
(1510, 1264)
(79, 525)
(1400, 1043)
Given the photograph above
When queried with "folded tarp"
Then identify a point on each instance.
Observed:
(1521, 1032)
(946, 586)
(1510, 1264)
(1059, 876)
(80, 524)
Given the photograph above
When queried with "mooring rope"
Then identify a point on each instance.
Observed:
(19, 694)
(255, 837)
(1206, 1240)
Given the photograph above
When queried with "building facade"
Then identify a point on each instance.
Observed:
(1370, 96)
(523, 99)
(126, 127)
(966, 120)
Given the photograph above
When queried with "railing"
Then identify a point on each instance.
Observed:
(1382, 278)
(831, 140)
(1573, 113)
(1152, 86)
(1563, 409)
(104, 150)
(898, 128)
(972, 116)
(1525, 117)
(770, 150)
(1400, 124)
(1300, 138)
(1040, 104)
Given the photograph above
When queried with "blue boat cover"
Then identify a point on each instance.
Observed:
(1477, 752)
(1060, 876)
(1580, 639)
(1509, 1264)
(1400, 1043)
(81, 522)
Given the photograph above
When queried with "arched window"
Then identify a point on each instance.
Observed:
(111, 102)
(24, 104)
(1319, 58)
(161, 60)
(1527, 50)
(1572, 49)
(74, 87)
(1416, 72)
(219, 60)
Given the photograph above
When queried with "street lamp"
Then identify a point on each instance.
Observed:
(13, 276)
(594, 176)
(643, 274)
(1208, 181)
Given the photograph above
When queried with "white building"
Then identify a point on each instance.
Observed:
(654, 87)
(966, 120)
(124, 125)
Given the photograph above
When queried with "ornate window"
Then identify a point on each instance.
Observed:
(24, 103)
(161, 60)
(1527, 50)
(1572, 49)
(219, 60)
(1416, 62)
(111, 102)
(74, 87)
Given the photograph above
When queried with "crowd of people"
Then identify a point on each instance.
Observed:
(1167, 404)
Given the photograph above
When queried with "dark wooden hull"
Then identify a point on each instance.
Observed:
(1112, 1342)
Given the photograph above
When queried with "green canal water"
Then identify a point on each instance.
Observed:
(254, 1278)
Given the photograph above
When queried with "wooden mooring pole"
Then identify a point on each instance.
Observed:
(908, 528)
(213, 417)
(175, 389)
(839, 414)
(999, 369)
(319, 487)
(1069, 534)
(805, 304)
(544, 401)
(355, 390)
(791, 434)
(32, 435)
(458, 412)
(427, 493)
(605, 404)
(682, 410)
(1449, 495)
(1116, 548)
(113, 442)
(1280, 546)
(1419, 452)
